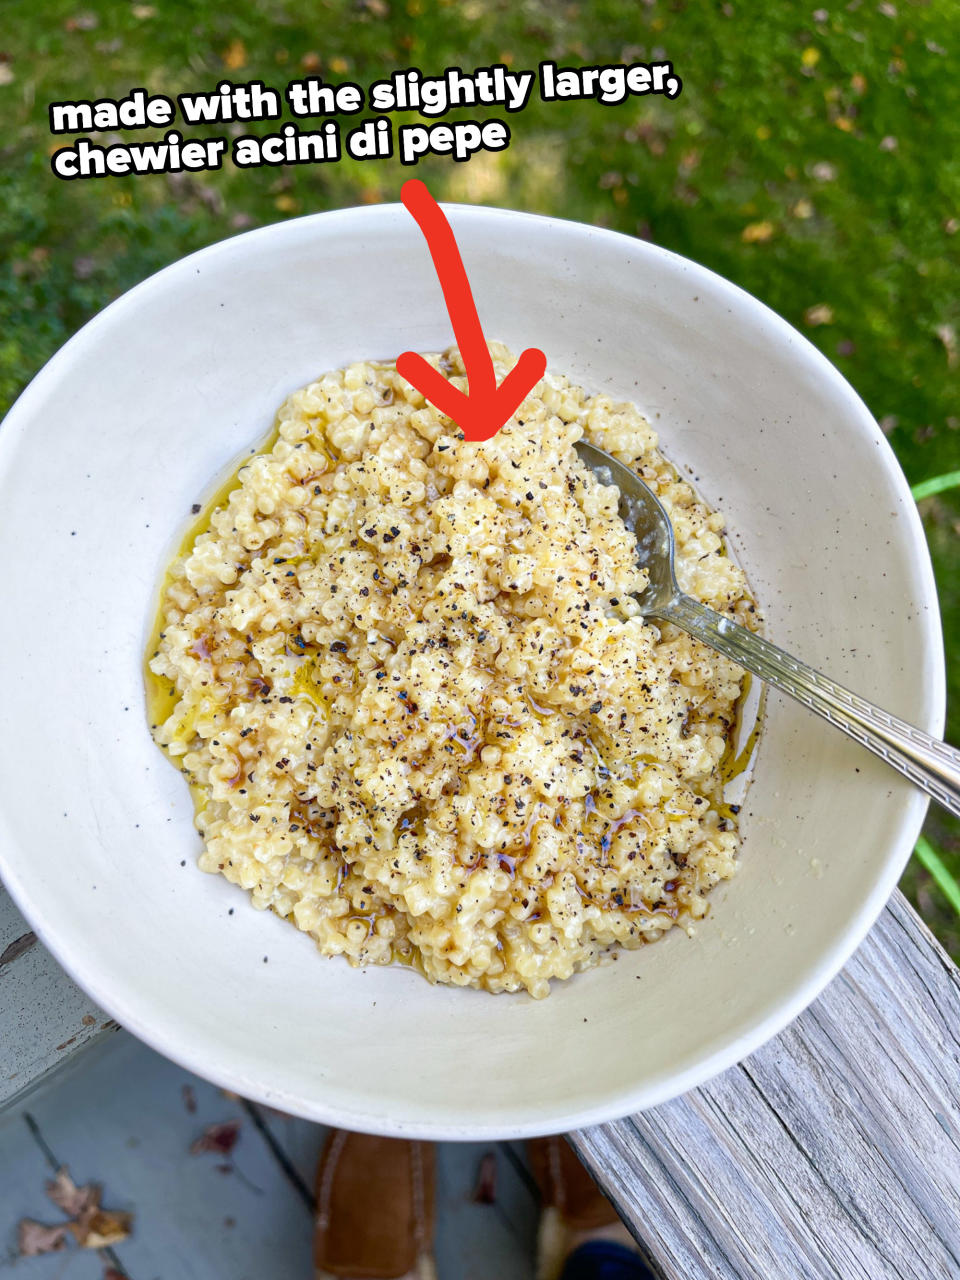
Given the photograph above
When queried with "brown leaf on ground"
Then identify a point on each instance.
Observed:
(112, 1273)
(485, 1192)
(99, 1228)
(821, 313)
(73, 1200)
(91, 1226)
(757, 232)
(81, 22)
(235, 55)
(948, 336)
(218, 1138)
(34, 1238)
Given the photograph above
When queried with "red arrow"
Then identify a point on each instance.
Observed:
(483, 412)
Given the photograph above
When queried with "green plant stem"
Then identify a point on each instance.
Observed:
(938, 869)
(937, 484)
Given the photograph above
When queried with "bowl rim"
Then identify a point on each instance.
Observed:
(760, 1028)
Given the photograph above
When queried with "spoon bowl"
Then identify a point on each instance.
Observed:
(928, 763)
(643, 512)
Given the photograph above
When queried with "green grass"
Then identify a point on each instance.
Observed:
(813, 158)
(936, 484)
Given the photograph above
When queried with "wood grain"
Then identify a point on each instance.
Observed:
(834, 1151)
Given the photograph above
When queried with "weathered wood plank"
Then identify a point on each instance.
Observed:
(834, 1151)
(45, 1019)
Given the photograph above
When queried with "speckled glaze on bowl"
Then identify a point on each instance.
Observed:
(100, 461)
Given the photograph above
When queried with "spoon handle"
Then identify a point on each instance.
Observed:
(931, 765)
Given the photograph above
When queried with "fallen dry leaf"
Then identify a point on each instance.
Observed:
(6, 73)
(34, 1238)
(101, 1228)
(82, 22)
(822, 313)
(757, 232)
(112, 1273)
(948, 336)
(73, 1200)
(218, 1138)
(235, 55)
(143, 11)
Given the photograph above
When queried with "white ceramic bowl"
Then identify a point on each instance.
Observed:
(100, 461)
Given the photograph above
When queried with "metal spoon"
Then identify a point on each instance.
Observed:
(930, 764)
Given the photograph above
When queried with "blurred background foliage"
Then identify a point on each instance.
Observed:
(813, 157)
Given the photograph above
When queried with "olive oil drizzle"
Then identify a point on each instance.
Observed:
(161, 692)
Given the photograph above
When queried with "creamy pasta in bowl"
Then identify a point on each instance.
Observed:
(285, 652)
(407, 681)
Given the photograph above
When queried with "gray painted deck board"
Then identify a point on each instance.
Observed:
(473, 1241)
(45, 1019)
(123, 1123)
(121, 1120)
